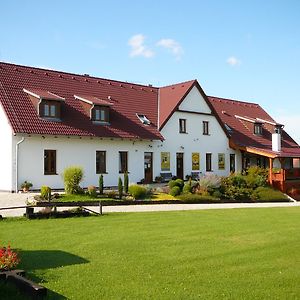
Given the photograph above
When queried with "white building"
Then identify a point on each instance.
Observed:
(50, 120)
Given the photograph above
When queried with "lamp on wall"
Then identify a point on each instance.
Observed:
(181, 147)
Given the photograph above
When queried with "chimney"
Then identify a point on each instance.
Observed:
(276, 139)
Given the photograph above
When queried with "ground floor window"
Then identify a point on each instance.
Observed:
(123, 162)
(100, 162)
(49, 162)
(232, 163)
(208, 162)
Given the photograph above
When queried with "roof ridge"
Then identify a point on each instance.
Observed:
(81, 75)
(233, 100)
(174, 84)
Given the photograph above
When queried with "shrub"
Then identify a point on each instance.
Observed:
(46, 192)
(209, 183)
(172, 183)
(180, 183)
(137, 191)
(120, 188)
(256, 177)
(26, 185)
(158, 179)
(101, 184)
(176, 182)
(195, 198)
(265, 194)
(92, 191)
(112, 194)
(175, 191)
(126, 182)
(72, 177)
(187, 188)
(9, 259)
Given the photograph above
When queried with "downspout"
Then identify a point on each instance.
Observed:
(17, 150)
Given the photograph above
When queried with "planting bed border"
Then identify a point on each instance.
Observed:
(27, 286)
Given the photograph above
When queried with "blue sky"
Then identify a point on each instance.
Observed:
(246, 50)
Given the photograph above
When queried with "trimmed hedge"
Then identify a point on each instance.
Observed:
(267, 194)
(175, 191)
(137, 191)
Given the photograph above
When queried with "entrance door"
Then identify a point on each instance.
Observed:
(148, 167)
(232, 163)
(179, 165)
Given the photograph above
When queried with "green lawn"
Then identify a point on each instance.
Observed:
(212, 254)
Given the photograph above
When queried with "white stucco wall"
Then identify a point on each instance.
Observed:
(194, 140)
(80, 152)
(6, 170)
(194, 102)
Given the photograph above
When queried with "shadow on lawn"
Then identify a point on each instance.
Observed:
(48, 259)
(32, 260)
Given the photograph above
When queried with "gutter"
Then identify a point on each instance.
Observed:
(17, 150)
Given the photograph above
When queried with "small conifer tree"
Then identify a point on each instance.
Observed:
(120, 188)
(126, 182)
(101, 184)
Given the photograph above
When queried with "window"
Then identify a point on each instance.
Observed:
(258, 128)
(101, 114)
(50, 109)
(205, 128)
(232, 163)
(49, 162)
(208, 162)
(182, 125)
(123, 162)
(100, 162)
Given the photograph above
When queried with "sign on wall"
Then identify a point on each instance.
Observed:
(221, 161)
(165, 161)
(195, 161)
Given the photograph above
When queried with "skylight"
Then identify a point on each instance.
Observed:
(143, 119)
(228, 128)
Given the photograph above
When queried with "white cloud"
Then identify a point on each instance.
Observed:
(233, 61)
(172, 46)
(138, 48)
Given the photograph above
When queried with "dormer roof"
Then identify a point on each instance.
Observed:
(43, 95)
(93, 100)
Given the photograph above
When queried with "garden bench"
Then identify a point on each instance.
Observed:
(166, 176)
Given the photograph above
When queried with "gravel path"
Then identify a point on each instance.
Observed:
(9, 199)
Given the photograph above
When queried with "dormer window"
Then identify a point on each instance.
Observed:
(143, 119)
(97, 109)
(258, 128)
(50, 110)
(47, 104)
(100, 114)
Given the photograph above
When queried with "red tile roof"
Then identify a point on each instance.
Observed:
(170, 98)
(128, 99)
(235, 114)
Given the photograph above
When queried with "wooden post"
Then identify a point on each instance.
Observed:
(270, 170)
(100, 207)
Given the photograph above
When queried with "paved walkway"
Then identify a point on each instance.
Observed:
(9, 199)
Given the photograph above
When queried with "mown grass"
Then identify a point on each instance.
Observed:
(213, 254)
